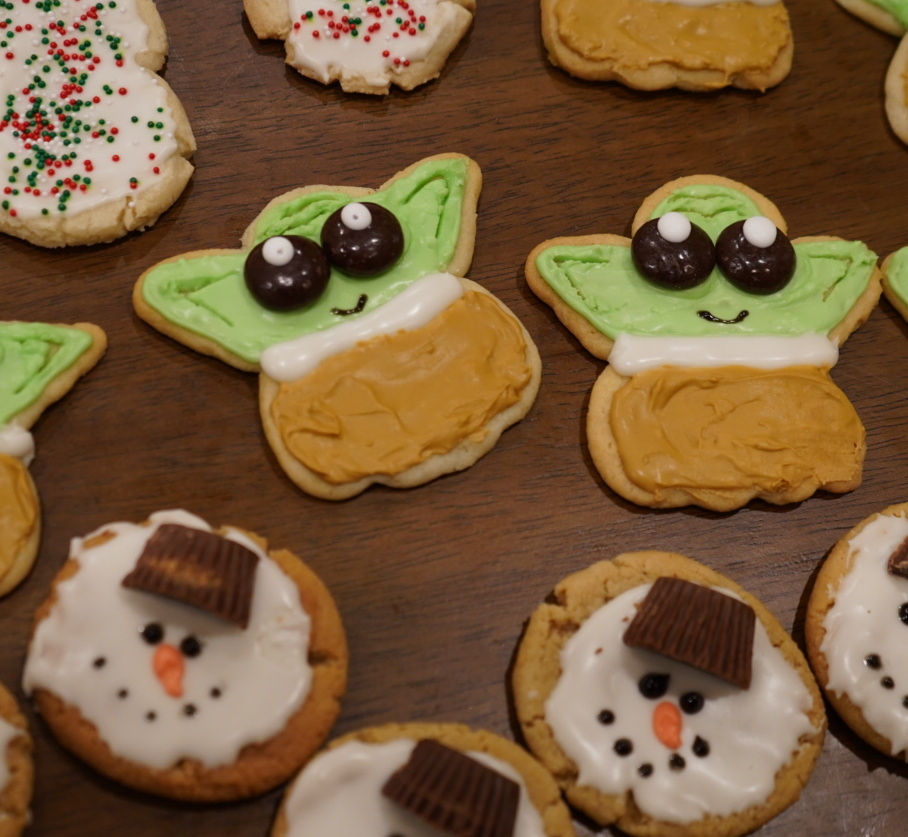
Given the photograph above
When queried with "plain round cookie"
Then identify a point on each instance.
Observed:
(896, 91)
(836, 565)
(16, 795)
(260, 766)
(542, 790)
(537, 670)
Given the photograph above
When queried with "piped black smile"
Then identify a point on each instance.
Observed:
(346, 312)
(712, 318)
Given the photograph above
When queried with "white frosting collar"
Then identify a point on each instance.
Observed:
(16, 441)
(412, 308)
(632, 353)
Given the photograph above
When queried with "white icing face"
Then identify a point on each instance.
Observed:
(116, 128)
(98, 647)
(719, 747)
(388, 36)
(866, 641)
(339, 792)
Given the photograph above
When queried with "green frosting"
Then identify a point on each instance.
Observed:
(897, 8)
(207, 295)
(601, 283)
(32, 355)
(897, 274)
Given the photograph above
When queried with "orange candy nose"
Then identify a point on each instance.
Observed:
(667, 724)
(167, 664)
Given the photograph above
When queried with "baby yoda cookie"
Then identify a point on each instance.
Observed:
(365, 45)
(423, 780)
(895, 280)
(720, 333)
(856, 627)
(186, 662)
(353, 307)
(888, 15)
(16, 767)
(93, 143)
(655, 44)
(666, 700)
(39, 363)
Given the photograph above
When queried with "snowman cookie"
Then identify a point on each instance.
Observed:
(423, 780)
(93, 143)
(655, 44)
(16, 767)
(39, 363)
(720, 334)
(666, 700)
(856, 627)
(184, 662)
(352, 305)
(365, 45)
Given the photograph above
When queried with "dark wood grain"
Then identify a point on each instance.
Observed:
(436, 583)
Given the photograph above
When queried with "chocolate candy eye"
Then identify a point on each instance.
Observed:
(691, 702)
(286, 272)
(362, 239)
(152, 633)
(673, 253)
(755, 256)
(653, 686)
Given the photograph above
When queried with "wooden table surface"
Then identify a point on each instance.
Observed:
(435, 583)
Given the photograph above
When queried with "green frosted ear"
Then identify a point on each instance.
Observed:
(205, 294)
(602, 285)
(32, 357)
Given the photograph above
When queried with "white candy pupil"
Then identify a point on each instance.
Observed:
(759, 231)
(674, 227)
(355, 216)
(277, 251)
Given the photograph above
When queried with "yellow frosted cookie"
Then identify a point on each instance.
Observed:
(655, 44)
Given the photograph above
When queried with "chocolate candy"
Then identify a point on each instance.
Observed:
(673, 253)
(198, 568)
(898, 561)
(286, 272)
(454, 793)
(696, 625)
(755, 256)
(362, 239)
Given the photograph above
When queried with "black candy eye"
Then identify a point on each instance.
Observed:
(755, 256)
(190, 646)
(362, 239)
(903, 613)
(285, 272)
(152, 633)
(673, 253)
(691, 702)
(653, 686)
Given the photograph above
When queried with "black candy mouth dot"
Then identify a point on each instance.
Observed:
(712, 318)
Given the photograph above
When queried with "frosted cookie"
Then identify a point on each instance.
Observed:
(720, 333)
(423, 780)
(16, 768)
(666, 700)
(39, 363)
(186, 662)
(656, 44)
(352, 305)
(856, 627)
(93, 143)
(365, 45)
(895, 280)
